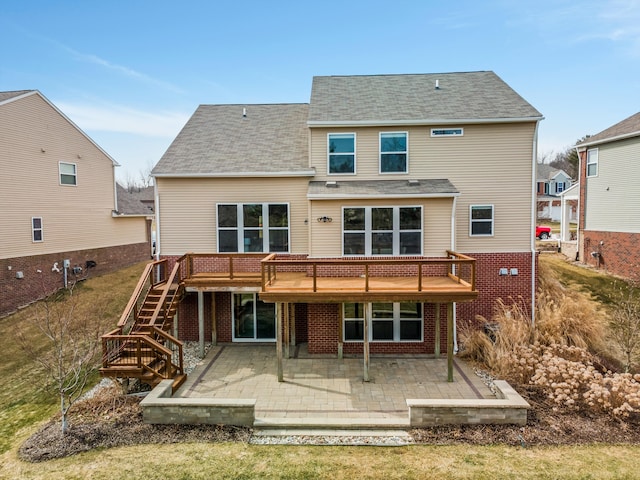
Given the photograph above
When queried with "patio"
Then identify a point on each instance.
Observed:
(324, 390)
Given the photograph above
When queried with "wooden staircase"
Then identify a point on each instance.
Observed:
(142, 346)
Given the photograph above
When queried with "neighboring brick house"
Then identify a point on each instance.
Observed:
(375, 169)
(609, 225)
(550, 184)
(58, 204)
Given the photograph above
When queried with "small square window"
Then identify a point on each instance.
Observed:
(481, 223)
(342, 153)
(68, 174)
(36, 229)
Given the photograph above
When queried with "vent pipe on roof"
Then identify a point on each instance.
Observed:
(244, 113)
(437, 84)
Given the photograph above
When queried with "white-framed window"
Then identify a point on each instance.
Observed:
(447, 132)
(382, 230)
(253, 227)
(388, 322)
(481, 220)
(592, 162)
(68, 173)
(37, 233)
(341, 152)
(253, 319)
(394, 152)
(559, 187)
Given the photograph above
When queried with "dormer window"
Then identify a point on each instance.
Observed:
(342, 153)
(393, 152)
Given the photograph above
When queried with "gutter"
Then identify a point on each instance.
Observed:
(534, 212)
(624, 136)
(433, 121)
(356, 196)
(303, 173)
(156, 199)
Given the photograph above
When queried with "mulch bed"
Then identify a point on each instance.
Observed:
(112, 420)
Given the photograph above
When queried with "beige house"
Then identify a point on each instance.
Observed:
(372, 220)
(60, 214)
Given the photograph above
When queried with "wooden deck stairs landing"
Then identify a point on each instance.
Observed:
(142, 346)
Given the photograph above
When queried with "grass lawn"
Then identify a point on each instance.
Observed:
(24, 406)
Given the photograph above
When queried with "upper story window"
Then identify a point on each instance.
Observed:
(447, 132)
(382, 230)
(253, 227)
(36, 229)
(481, 223)
(342, 153)
(68, 174)
(592, 162)
(559, 187)
(393, 152)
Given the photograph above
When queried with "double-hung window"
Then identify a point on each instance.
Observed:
(382, 230)
(592, 162)
(559, 187)
(36, 229)
(342, 153)
(68, 174)
(393, 152)
(253, 227)
(481, 221)
(389, 322)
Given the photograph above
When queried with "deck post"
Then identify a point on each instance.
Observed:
(340, 332)
(365, 344)
(214, 329)
(285, 319)
(449, 342)
(436, 349)
(279, 341)
(201, 321)
(293, 324)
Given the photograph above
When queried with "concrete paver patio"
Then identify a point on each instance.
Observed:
(320, 387)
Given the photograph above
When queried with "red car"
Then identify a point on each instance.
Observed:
(543, 232)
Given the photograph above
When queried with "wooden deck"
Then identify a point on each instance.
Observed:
(280, 278)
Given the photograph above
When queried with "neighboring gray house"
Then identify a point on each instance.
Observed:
(550, 183)
(609, 225)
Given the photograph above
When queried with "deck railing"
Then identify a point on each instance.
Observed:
(458, 267)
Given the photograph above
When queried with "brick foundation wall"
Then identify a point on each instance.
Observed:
(619, 252)
(317, 324)
(40, 279)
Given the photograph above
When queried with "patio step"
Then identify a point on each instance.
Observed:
(324, 423)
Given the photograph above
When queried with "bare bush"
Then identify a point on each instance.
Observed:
(624, 327)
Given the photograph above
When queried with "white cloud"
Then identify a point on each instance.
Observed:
(117, 118)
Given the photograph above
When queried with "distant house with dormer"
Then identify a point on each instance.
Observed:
(550, 183)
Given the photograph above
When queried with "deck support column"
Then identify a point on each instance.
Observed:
(287, 332)
(449, 342)
(201, 321)
(214, 329)
(365, 344)
(293, 325)
(279, 341)
(436, 349)
(340, 333)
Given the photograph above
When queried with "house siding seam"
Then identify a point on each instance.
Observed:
(41, 279)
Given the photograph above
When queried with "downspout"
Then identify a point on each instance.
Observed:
(453, 249)
(582, 183)
(156, 201)
(534, 212)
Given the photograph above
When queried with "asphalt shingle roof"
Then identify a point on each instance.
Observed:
(415, 98)
(388, 188)
(137, 201)
(9, 95)
(626, 128)
(219, 140)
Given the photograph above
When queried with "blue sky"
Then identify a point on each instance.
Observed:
(131, 73)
